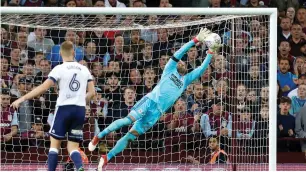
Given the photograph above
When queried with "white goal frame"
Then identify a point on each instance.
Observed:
(272, 12)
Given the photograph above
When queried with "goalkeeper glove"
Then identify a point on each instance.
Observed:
(203, 34)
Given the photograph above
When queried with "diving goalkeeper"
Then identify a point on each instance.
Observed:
(148, 110)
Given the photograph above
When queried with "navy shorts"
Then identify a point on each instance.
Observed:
(68, 119)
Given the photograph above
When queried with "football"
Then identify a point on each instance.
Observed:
(212, 38)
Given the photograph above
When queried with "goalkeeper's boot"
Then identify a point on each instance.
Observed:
(102, 162)
(93, 143)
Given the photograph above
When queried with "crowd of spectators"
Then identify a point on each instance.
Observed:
(230, 100)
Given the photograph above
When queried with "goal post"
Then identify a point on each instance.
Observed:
(218, 14)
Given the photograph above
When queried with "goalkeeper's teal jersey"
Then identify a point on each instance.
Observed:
(172, 84)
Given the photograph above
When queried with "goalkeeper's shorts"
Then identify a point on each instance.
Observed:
(146, 113)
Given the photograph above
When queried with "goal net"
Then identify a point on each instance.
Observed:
(219, 123)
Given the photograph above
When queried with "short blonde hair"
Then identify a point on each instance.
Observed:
(67, 49)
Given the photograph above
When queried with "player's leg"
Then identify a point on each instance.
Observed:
(139, 128)
(121, 145)
(75, 135)
(57, 133)
(137, 112)
(53, 153)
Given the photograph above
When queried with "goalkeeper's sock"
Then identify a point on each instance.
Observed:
(121, 145)
(115, 126)
(77, 159)
(52, 159)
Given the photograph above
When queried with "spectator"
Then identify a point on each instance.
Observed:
(28, 70)
(264, 95)
(164, 4)
(285, 120)
(252, 101)
(6, 79)
(84, 63)
(207, 78)
(36, 135)
(70, 3)
(215, 3)
(97, 72)
(147, 59)
(196, 102)
(99, 105)
(56, 58)
(241, 93)
(262, 128)
(285, 78)
(135, 80)
(301, 80)
(37, 58)
(138, 3)
(149, 77)
(40, 43)
(102, 43)
(15, 65)
(114, 67)
(285, 33)
(218, 155)
(123, 108)
(299, 100)
(192, 59)
(179, 120)
(25, 51)
(30, 3)
(114, 3)
(162, 45)
(254, 79)
(117, 49)
(284, 52)
(9, 119)
(222, 88)
(291, 14)
(297, 41)
(220, 71)
(216, 121)
(91, 55)
(112, 88)
(300, 123)
(25, 109)
(99, 3)
(282, 5)
(162, 63)
(298, 65)
(5, 42)
(128, 61)
(45, 68)
(150, 35)
(82, 3)
(245, 126)
(300, 16)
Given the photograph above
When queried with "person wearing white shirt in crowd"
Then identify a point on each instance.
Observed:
(301, 80)
(40, 43)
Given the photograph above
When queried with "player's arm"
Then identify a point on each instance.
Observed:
(37, 91)
(171, 65)
(90, 91)
(213, 49)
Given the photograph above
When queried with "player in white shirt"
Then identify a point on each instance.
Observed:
(73, 80)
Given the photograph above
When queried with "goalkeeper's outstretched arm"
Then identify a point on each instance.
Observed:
(171, 65)
(213, 49)
(197, 72)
